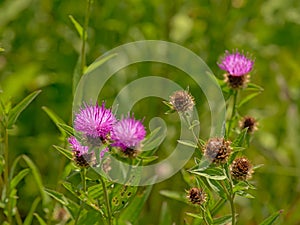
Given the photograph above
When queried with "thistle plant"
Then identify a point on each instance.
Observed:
(222, 171)
(11, 173)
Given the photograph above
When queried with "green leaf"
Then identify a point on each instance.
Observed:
(179, 196)
(68, 129)
(2, 49)
(57, 196)
(99, 62)
(153, 140)
(2, 163)
(77, 73)
(187, 143)
(257, 166)
(254, 87)
(248, 98)
(83, 197)
(14, 182)
(41, 221)
(194, 215)
(120, 197)
(132, 211)
(244, 194)
(223, 220)
(78, 27)
(165, 215)
(272, 218)
(63, 151)
(89, 217)
(56, 119)
(37, 177)
(148, 159)
(29, 217)
(217, 187)
(194, 123)
(16, 111)
(238, 142)
(211, 173)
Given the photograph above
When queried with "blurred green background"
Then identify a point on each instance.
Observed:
(42, 48)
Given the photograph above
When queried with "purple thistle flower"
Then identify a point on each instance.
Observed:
(94, 121)
(127, 133)
(77, 147)
(236, 64)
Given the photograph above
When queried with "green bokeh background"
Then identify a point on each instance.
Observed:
(42, 48)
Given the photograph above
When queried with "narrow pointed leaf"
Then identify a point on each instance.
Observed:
(174, 195)
(29, 217)
(165, 215)
(63, 151)
(41, 221)
(15, 112)
(248, 98)
(56, 119)
(99, 62)
(194, 215)
(78, 27)
(272, 218)
(37, 177)
(187, 143)
(15, 181)
(223, 220)
(132, 211)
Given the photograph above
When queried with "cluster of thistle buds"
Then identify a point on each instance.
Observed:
(217, 150)
(100, 131)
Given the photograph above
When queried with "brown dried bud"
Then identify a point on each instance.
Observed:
(197, 196)
(217, 150)
(83, 160)
(241, 169)
(182, 101)
(248, 122)
(237, 82)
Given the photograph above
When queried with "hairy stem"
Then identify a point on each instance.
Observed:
(204, 217)
(233, 113)
(6, 176)
(83, 180)
(84, 36)
(107, 203)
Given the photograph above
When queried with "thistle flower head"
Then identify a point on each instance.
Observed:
(248, 122)
(127, 134)
(241, 169)
(80, 153)
(77, 147)
(236, 64)
(197, 196)
(94, 121)
(217, 150)
(182, 101)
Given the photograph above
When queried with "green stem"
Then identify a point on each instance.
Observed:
(107, 203)
(231, 196)
(204, 215)
(192, 130)
(83, 180)
(231, 201)
(84, 36)
(232, 113)
(6, 176)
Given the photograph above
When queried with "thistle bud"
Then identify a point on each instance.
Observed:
(241, 169)
(248, 122)
(182, 101)
(217, 150)
(197, 196)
